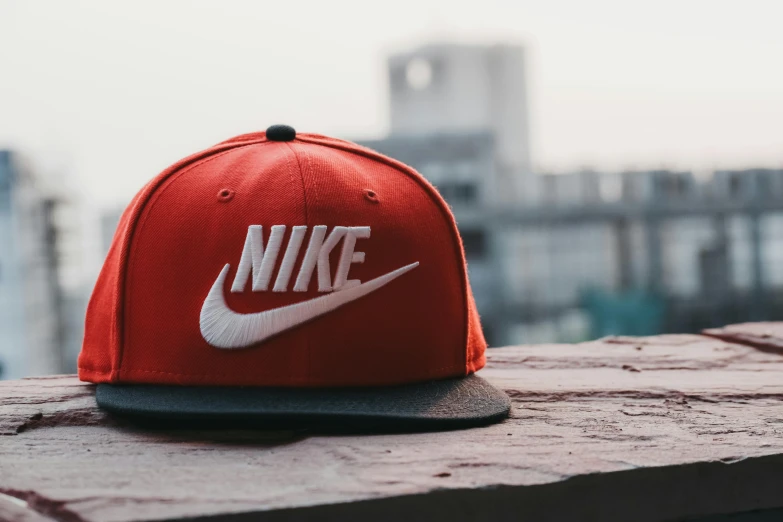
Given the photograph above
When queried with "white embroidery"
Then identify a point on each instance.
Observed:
(221, 327)
(348, 256)
(247, 260)
(261, 280)
(287, 266)
(261, 261)
(310, 259)
(324, 271)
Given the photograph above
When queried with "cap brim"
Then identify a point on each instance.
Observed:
(443, 404)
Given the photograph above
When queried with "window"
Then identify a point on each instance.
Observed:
(418, 73)
(475, 243)
(458, 193)
(465, 193)
(734, 184)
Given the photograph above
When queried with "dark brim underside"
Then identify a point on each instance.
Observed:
(443, 404)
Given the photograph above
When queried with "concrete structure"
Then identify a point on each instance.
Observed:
(455, 89)
(459, 116)
(646, 429)
(462, 167)
(537, 245)
(109, 219)
(31, 329)
(710, 254)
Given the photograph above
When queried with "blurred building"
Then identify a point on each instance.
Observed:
(462, 166)
(459, 116)
(31, 326)
(570, 256)
(454, 89)
(109, 219)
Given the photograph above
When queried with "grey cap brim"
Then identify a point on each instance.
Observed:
(442, 404)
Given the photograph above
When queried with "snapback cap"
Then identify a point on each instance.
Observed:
(289, 277)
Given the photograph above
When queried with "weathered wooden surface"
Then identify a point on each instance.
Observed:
(656, 428)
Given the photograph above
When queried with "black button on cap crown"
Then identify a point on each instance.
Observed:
(280, 133)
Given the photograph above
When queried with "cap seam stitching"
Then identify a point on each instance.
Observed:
(433, 370)
(103, 370)
(118, 305)
(301, 178)
(353, 148)
(307, 222)
(148, 206)
(306, 159)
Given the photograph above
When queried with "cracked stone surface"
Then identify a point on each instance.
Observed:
(764, 336)
(658, 428)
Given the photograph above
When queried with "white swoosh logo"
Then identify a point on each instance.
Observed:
(223, 328)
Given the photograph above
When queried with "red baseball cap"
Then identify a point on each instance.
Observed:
(289, 277)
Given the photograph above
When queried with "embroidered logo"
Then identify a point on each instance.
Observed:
(223, 328)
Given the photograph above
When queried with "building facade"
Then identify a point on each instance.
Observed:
(457, 89)
(31, 329)
(571, 256)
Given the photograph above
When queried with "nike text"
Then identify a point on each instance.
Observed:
(223, 328)
(260, 259)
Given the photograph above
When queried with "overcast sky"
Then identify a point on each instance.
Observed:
(110, 92)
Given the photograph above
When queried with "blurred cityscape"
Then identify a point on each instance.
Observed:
(553, 257)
